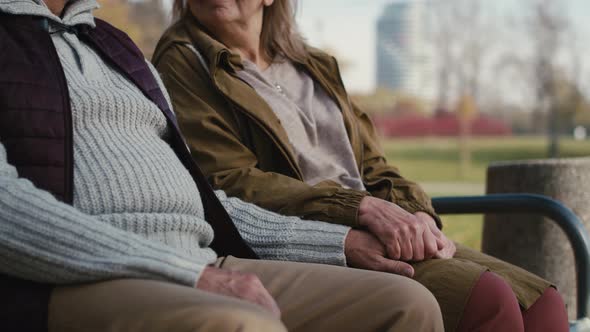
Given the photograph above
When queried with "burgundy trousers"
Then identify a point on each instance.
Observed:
(492, 306)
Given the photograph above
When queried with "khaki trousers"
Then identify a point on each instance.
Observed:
(311, 297)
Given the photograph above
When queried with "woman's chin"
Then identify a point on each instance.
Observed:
(218, 16)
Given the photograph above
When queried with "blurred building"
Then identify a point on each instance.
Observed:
(405, 59)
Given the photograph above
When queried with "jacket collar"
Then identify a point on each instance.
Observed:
(218, 54)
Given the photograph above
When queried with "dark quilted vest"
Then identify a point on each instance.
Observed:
(36, 130)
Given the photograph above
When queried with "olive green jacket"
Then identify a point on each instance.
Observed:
(241, 145)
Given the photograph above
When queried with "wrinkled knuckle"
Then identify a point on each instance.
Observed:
(392, 233)
(391, 248)
(429, 251)
(393, 267)
(405, 229)
(421, 224)
(375, 265)
(407, 254)
(415, 228)
(393, 252)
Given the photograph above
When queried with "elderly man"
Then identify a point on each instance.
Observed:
(108, 225)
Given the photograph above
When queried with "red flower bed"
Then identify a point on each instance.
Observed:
(443, 124)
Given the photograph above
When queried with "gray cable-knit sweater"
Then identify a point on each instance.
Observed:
(137, 212)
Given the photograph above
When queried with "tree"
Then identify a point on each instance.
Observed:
(551, 68)
(461, 41)
(570, 104)
(466, 112)
(548, 24)
(460, 38)
(443, 42)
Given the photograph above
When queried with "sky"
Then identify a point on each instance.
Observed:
(348, 28)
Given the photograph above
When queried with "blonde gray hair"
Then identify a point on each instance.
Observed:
(280, 36)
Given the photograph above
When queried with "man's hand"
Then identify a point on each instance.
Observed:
(448, 250)
(240, 285)
(405, 236)
(364, 251)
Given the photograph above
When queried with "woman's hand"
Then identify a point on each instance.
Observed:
(364, 251)
(448, 250)
(405, 236)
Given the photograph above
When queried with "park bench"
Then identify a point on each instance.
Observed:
(542, 205)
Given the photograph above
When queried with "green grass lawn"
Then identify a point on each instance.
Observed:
(434, 162)
(437, 159)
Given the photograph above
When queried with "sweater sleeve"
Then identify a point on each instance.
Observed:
(277, 237)
(44, 240)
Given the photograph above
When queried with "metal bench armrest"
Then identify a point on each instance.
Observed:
(532, 204)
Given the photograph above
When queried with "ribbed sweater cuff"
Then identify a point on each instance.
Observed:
(278, 237)
(181, 268)
(322, 243)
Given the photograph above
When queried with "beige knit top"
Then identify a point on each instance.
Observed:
(312, 120)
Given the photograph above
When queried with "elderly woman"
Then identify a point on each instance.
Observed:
(269, 120)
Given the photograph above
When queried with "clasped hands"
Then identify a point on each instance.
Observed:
(392, 237)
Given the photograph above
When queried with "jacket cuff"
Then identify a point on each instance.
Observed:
(414, 207)
(344, 207)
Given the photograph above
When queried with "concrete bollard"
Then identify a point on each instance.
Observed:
(532, 242)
